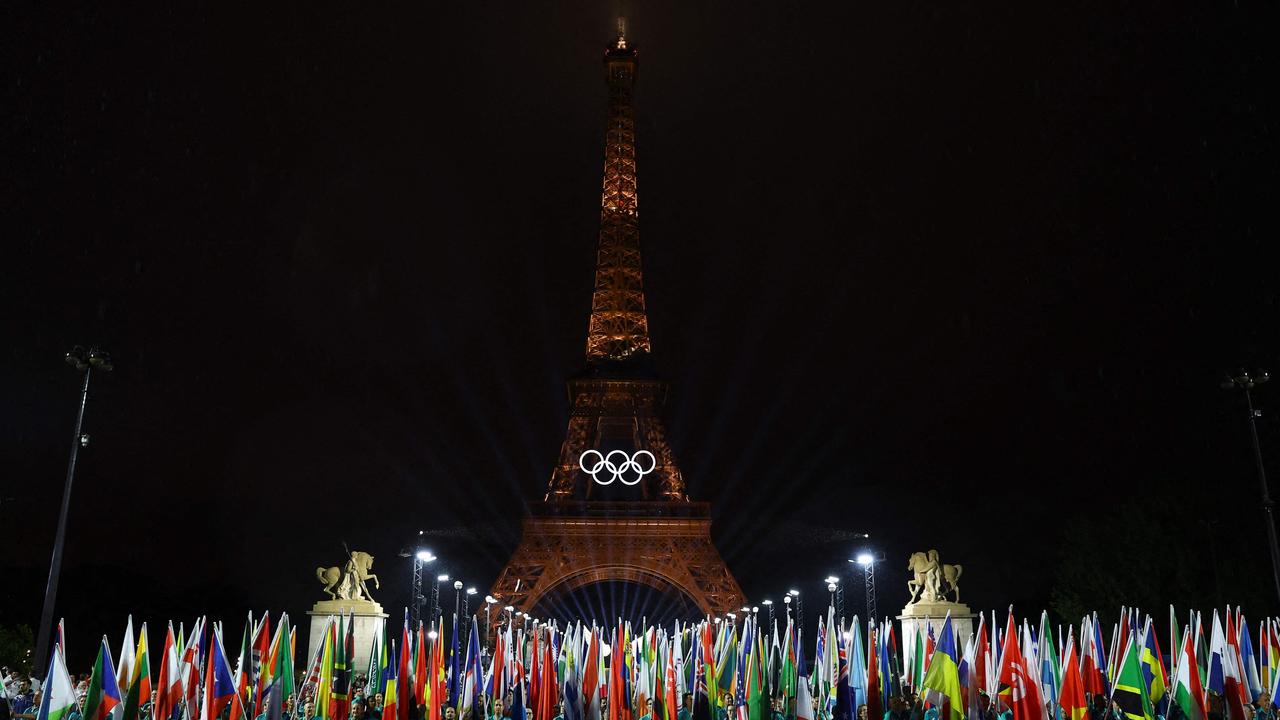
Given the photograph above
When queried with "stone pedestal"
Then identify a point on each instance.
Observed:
(924, 615)
(368, 618)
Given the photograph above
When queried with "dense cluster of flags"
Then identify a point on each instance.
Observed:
(708, 670)
(193, 678)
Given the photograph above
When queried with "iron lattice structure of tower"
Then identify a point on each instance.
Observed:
(573, 538)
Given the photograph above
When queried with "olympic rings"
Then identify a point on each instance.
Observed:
(629, 463)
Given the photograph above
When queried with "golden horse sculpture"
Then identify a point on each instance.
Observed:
(348, 583)
(930, 576)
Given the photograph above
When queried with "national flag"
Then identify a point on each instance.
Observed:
(242, 677)
(279, 671)
(139, 679)
(343, 650)
(1019, 691)
(1188, 694)
(1249, 662)
(1071, 695)
(261, 654)
(219, 687)
(58, 696)
(942, 680)
(324, 683)
(124, 668)
(472, 679)
(390, 680)
(1093, 667)
(102, 701)
(875, 678)
(1047, 658)
(916, 672)
(982, 656)
(1224, 671)
(857, 671)
(1153, 675)
(404, 677)
(169, 683)
(420, 693)
(1130, 692)
(453, 664)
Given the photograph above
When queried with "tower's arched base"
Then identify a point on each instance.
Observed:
(663, 545)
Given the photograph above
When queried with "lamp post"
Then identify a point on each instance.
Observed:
(86, 362)
(458, 620)
(799, 607)
(868, 562)
(837, 594)
(768, 604)
(466, 606)
(489, 602)
(437, 612)
(1242, 380)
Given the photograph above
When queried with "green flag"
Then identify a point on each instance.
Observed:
(1130, 691)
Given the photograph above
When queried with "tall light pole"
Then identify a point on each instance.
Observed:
(437, 612)
(837, 594)
(466, 606)
(86, 362)
(457, 614)
(868, 562)
(799, 609)
(1242, 380)
(489, 602)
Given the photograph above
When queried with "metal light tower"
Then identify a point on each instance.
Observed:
(868, 562)
(421, 557)
(1242, 380)
(85, 362)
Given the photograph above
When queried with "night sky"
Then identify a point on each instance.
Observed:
(955, 274)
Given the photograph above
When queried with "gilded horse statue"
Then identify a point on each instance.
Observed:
(930, 576)
(348, 583)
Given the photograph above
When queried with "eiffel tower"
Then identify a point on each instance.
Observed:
(575, 537)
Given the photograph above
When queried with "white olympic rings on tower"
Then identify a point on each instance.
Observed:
(618, 463)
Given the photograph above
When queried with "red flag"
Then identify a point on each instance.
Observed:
(873, 675)
(1071, 698)
(1018, 690)
(404, 683)
(420, 669)
(535, 681)
(169, 683)
(261, 649)
(548, 694)
(436, 678)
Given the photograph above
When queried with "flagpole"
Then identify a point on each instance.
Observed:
(1246, 382)
(95, 359)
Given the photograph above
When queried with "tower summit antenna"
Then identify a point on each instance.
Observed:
(622, 30)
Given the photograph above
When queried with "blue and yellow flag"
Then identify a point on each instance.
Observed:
(942, 681)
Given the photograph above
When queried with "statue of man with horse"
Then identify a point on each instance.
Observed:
(348, 582)
(932, 581)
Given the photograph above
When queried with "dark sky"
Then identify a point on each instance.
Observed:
(952, 273)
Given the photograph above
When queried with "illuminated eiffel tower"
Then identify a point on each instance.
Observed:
(574, 537)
